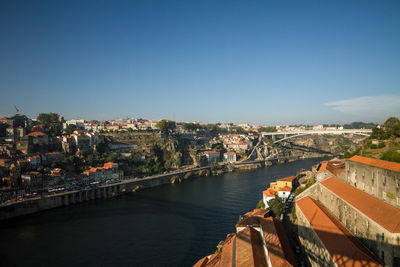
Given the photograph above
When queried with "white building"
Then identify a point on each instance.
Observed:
(212, 156)
(268, 195)
(284, 192)
(230, 157)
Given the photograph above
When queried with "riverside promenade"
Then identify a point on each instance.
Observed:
(14, 208)
(26, 206)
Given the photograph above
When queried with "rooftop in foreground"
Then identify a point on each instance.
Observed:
(247, 247)
(382, 213)
(343, 247)
(393, 166)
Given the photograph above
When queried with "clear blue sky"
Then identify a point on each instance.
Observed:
(264, 62)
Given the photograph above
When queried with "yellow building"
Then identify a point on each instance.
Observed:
(287, 181)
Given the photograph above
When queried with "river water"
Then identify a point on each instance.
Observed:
(170, 225)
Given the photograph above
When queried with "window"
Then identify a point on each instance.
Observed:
(383, 237)
(383, 256)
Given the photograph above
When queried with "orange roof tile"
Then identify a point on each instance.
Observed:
(249, 248)
(336, 167)
(249, 221)
(393, 166)
(344, 248)
(323, 166)
(36, 134)
(269, 192)
(285, 188)
(277, 243)
(257, 212)
(202, 262)
(382, 213)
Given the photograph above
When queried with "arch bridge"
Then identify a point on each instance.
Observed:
(290, 135)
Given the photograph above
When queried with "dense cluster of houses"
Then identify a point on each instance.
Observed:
(235, 142)
(114, 125)
(28, 159)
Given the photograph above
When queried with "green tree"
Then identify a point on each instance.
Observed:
(277, 206)
(260, 205)
(191, 126)
(51, 123)
(392, 126)
(359, 125)
(267, 129)
(166, 126)
(70, 129)
(379, 133)
(391, 156)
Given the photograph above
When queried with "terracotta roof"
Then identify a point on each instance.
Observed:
(36, 134)
(323, 166)
(382, 213)
(111, 164)
(278, 246)
(393, 166)
(257, 212)
(335, 166)
(246, 248)
(288, 179)
(249, 248)
(249, 221)
(269, 192)
(285, 188)
(4, 119)
(344, 248)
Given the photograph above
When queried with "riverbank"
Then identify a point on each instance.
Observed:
(63, 199)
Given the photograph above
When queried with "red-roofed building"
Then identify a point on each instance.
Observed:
(230, 157)
(330, 168)
(38, 138)
(326, 241)
(378, 178)
(375, 222)
(268, 195)
(101, 174)
(262, 242)
(284, 192)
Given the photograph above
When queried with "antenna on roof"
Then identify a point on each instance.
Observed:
(16, 110)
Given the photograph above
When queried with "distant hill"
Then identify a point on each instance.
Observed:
(360, 125)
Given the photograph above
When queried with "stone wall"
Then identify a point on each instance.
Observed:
(37, 204)
(381, 183)
(317, 253)
(381, 242)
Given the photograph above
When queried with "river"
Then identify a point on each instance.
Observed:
(169, 225)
